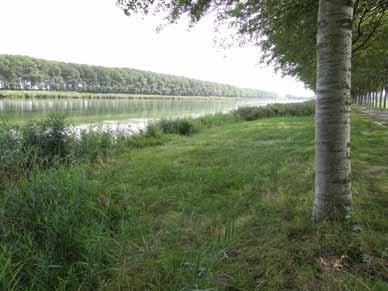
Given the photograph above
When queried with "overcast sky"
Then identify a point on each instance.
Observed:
(97, 32)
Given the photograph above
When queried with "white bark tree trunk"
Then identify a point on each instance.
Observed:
(333, 195)
(381, 98)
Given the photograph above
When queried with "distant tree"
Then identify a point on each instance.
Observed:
(20, 72)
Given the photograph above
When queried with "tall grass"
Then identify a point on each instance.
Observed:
(149, 220)
(47, 143)
(40, 144)
(54, 232)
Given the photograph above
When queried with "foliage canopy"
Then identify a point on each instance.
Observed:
(286, 31)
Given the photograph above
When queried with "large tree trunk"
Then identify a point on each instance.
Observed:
(333, 195)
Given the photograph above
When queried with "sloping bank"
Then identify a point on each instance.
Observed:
(226, 208)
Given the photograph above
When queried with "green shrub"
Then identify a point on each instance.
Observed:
(180, 126)
(153, 130)
(48, 138)
(217, 119)
(276, 110)
(142, 140)
(248, 113)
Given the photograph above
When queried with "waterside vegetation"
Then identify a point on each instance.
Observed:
(214, 203)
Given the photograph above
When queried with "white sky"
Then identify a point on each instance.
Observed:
(97, 32)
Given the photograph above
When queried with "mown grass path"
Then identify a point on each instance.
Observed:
(379, 115)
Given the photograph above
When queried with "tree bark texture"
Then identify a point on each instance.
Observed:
(333, 195)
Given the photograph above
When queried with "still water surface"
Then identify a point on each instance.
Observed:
(119, 114)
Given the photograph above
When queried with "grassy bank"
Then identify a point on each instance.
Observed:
(217, 203)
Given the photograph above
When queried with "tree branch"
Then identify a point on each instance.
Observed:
(366, 40)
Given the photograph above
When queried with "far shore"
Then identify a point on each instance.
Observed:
(76, 94)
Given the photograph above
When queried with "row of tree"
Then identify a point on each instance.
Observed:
(26, 73)
(377, 99)
(370, 66)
